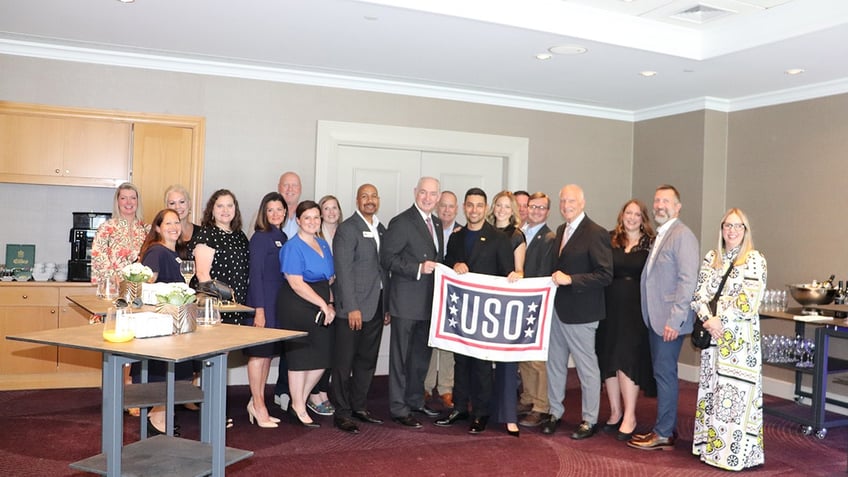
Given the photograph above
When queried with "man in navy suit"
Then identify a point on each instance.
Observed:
(667, 284)
(583, 267)
(359, 292)
(411, 249)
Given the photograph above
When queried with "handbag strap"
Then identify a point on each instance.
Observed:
(723, 279)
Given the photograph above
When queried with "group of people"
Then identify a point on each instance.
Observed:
(625, 299)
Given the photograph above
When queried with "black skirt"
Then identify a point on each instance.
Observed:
(313, 351)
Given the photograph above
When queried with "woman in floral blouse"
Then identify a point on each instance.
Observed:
(729, 412)
(117, 242)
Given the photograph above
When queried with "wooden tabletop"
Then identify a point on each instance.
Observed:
(98, 306)
(205, 341)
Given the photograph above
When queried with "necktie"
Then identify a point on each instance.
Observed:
(430, 227)
(565, 236)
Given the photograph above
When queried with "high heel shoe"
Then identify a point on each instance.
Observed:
(515, 433)
(251, 407)
(251, 415)
(610, 428)
(153, 431)
(311, 425)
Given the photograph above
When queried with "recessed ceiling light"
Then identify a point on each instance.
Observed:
(568, 50)
(648, 74)
(370, 18)
(127, 1)
(794, 71)
(544, 56)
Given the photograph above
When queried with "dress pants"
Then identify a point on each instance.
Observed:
(506, 392)
(534, 381)
(409, 357)
(577, 341)
(354, 363)
(472, 384)
(440, 372)
(664, 356)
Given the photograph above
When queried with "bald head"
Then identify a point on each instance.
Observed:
(571, 202)
(289, 187)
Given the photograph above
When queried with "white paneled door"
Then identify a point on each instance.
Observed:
(394, 158)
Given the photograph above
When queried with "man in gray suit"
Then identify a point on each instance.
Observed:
(538, 262)
(667, 284)
(583, 268)
(411, 249)
(359, 287)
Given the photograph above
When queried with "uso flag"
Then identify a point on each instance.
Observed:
(486, 317)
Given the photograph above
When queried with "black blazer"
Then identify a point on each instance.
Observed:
(406, 244)
(587, 257)
(490, 255)
(539, 260)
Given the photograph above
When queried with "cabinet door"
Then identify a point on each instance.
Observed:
(162, 156)
(30, 146)
(18, 357)
(97, 149)
(76, 360)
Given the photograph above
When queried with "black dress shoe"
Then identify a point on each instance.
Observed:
(549, 424)
(427, 411)
(366, 416)
(610, 428)
(478, 425)
(515, 433)
(408, 421)
(451, 418)
(152, 431)
(623, 436)
(346, 425)
(584, 430)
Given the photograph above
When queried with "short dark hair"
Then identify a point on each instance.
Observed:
(522, 192)
(306, 205)
(476, 191)
(671, 188)
(262, 218)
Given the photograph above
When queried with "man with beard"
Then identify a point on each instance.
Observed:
(360, 282)
(667, 284)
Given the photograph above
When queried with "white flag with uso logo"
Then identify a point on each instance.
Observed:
(486, 317)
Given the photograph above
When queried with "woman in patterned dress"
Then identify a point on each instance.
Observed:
(729, 412)
(117, 242)
(222, 248)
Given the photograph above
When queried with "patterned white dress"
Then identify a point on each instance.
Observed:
(729, 414)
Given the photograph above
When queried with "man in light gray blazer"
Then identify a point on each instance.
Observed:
(411, 249)
(667, 284)
(360, 291)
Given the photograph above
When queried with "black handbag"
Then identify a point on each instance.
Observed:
(217, 289)
(700, 337)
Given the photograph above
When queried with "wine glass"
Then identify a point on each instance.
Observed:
(187, 270)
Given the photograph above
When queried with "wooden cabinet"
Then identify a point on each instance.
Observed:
(48, 146)
(30, 306)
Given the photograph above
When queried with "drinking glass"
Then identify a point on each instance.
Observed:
(107, 287)
(208, 313)
(187, 270)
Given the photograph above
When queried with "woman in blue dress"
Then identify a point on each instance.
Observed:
(265, 281)
(307, 264)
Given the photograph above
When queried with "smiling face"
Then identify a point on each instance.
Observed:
(502, 211)
(127, 203)
(310, 221)
(170, 229)
(733, 231)
(631, 217)
(177, 201)
(475, 211)
(666, 206)
(571, 202)
(275, 213)
(330, 212)
(427, 194)
(289, 186)
(224, 211)
(538, 211)
(447, 208)
(367, 200)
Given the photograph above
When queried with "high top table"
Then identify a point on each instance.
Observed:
(165, 454)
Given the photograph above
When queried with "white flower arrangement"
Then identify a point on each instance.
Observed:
(178, 294)
(136, 272)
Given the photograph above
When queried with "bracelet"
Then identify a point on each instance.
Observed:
(331, 303)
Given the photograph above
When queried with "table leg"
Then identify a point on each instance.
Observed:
(214, 409)
(113, 420)
(169, 399)
(819, 401)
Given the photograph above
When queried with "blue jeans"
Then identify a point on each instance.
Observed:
(664, 355)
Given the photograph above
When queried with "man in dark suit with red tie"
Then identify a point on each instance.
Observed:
(411, 248)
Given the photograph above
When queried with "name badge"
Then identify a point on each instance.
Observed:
(367, 234)
(278, 243)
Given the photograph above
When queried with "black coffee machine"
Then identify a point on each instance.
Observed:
(81, 238)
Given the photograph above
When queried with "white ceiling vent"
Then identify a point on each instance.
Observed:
(700, 14)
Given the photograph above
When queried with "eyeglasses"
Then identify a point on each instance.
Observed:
(736, 227)
(538, 207)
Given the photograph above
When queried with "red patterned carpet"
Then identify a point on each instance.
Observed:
(41, 432)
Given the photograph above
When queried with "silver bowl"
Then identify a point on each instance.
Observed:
(807, 295)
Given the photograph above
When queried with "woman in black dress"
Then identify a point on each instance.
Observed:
(622, 339)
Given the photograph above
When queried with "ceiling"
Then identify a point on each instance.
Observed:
(723, 54)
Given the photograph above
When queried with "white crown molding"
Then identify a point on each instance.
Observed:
(285, 75)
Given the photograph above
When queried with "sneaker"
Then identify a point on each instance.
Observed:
(323, 409)
(282, 400)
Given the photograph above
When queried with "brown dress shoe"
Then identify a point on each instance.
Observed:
(652, 442)
(532, 419)
(447, 399)
(427, 396)
(522, 408)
